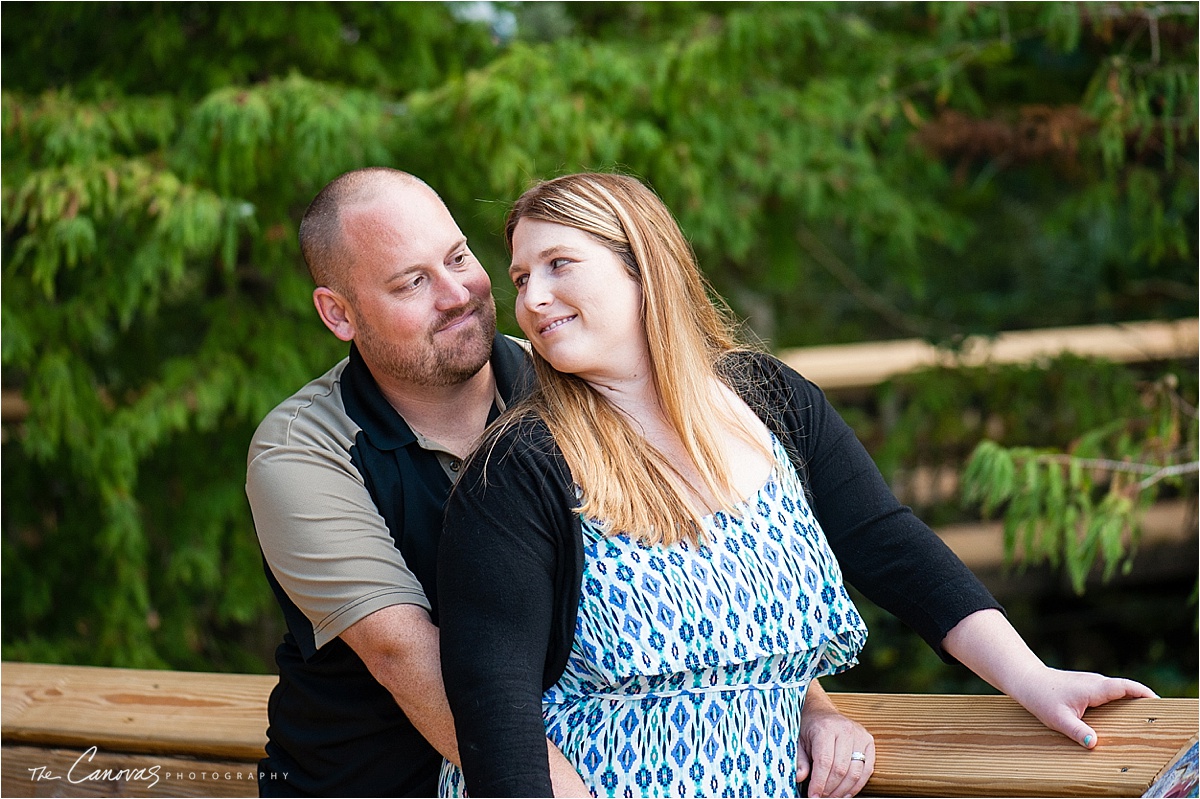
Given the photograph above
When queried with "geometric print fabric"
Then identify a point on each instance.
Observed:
(691, 663)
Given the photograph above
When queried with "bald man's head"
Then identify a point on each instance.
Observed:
(328, 255)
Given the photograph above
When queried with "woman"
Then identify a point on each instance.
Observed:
(633, 565)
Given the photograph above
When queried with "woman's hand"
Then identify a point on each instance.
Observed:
(1059, 698)
(989, 646)
(836, 754)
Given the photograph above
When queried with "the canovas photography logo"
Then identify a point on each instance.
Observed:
(83, 771)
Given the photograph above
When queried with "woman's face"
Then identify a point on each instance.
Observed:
(577, 303)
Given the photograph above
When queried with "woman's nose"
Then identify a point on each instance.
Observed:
(535, 293)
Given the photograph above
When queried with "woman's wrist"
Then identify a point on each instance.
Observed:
(817, 703)
(987, 644)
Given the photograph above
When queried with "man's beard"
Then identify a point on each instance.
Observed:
(432, 364)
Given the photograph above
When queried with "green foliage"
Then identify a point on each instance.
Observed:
(935, 420)
(1077, 507)
(828, 162)
(154, 309)
(938, 416)
(193, 48)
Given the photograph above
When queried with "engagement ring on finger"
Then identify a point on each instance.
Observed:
(858, 756)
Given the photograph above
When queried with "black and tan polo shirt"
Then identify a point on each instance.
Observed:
(347, 502)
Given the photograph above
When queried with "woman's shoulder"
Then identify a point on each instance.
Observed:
(521, 433)
(760, 374)
(518, 442)
(516, 480)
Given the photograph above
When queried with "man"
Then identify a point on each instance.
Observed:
(347, 480)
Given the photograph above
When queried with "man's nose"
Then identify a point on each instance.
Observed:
(452, 291)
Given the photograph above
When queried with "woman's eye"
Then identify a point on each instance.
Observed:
(557, 262)
(520, 280)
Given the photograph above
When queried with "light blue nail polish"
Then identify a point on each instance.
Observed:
(1087, 740)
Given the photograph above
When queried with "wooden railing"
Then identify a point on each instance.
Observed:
(86, 731)
(858, 366)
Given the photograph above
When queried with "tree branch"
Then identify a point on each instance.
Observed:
(1169, 471)
(1154, 472)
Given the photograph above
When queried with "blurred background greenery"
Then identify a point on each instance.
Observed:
(845, 171)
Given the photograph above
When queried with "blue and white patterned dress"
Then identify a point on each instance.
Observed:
(691, 663)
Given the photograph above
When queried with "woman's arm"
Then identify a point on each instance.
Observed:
(986, 643)
(498, 586)
(898, 562)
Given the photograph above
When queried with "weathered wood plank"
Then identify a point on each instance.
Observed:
(13, 407)
(928, 745)
(941, 745)
(859, 366)
(41, 771)
(220, 716)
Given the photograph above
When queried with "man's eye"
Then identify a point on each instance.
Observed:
(459, 259)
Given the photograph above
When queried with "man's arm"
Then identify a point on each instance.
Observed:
(399, 645)
(563, 776)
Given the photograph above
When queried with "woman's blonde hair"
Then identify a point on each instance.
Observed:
(627, 483)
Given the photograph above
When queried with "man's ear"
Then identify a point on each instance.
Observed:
(335, 312)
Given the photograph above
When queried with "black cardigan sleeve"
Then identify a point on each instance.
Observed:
(507, 565)
(884, 550)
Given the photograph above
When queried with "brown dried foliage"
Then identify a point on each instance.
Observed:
(1037, 133)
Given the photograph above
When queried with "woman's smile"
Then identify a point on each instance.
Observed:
(547, 328)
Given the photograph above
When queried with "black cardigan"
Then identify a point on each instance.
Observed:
(511, 561)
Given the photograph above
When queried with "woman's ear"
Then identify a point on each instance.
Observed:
(335, 312)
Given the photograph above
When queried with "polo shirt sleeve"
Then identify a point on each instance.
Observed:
(321, 535)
